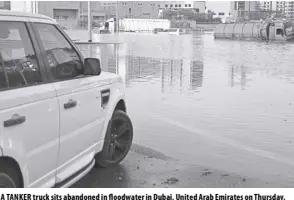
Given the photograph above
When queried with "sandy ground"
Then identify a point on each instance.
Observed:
(144, 167)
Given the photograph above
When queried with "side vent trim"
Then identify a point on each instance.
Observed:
(105, 96)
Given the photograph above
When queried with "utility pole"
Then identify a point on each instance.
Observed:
(32, 6)
(36, 6)
(89, 21)
(249, 17)
(117, 17)
(271, 8)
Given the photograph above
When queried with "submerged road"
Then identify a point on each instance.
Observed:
(225, 106)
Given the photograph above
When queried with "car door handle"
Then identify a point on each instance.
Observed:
(70, 104)
(15, 120)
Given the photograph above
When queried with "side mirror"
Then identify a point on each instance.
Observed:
(92, 66)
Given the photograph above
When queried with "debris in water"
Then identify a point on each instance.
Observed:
(244, 179)
(223, 175)
(171, 180)
(206, 173)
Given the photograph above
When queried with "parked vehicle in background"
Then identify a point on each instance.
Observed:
(156, 30)
(172, 31)
(64, 28)
(60, 114)
(104, 32)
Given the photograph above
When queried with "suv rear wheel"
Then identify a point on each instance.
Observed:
(118, 140)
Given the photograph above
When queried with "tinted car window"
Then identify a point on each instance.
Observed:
(18, 62)
(64, 62)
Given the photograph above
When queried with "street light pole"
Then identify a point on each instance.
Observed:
(37, 7)
(117, 18)
(89, 21)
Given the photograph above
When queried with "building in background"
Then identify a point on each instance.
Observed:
(199, 6)
(285, 8)
(100, 11)
(138, 9)
(72, 14)
(5, 5)
(66, 13)
(268, 5)
(243, 9)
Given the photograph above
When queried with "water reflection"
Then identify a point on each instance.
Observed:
(173, 74)
(239, 76)
(238, 93)
(197, 69)
(177, 74)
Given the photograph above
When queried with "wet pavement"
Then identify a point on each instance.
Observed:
(227, 106)
(145, 168)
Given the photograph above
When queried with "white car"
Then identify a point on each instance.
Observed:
(60, 115)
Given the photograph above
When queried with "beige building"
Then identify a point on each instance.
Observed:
(5, 5)
(66, 13)
(199, 6)
(102, 10)
(138, 9)
(242, 8)
(98, 12)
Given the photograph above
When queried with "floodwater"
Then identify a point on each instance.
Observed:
(227, 105)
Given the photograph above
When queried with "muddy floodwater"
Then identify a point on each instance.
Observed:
(226, 105)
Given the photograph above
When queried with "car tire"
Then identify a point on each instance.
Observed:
(103, 158)
(9, 178)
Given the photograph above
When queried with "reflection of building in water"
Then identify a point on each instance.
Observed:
(171, 74)
(196, 74)
(141, 67)
(181, 75)
(238, 76)
(133, 67)
(185, 75)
